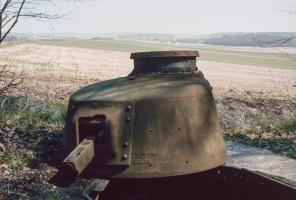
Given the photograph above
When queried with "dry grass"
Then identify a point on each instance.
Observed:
(55, 72)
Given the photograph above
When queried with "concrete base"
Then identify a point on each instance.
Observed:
(256, 159)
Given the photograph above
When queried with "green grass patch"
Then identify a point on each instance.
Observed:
(17, 159)
(272, 60)
(112, 45)
(292, 153)
(288, 125)
(27, 114)
(263, 123)
(277, 145)
(52, 197)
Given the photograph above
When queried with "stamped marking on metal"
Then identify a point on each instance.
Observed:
(142, 161)
(150, 152)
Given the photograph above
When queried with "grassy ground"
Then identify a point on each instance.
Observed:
(264, 123)
(29, 115)
(273, 60)
(264, 59)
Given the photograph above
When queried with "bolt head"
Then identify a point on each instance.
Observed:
(124, 157)
(128, 108)
(125, 144)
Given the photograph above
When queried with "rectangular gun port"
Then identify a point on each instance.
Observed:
(93, 127)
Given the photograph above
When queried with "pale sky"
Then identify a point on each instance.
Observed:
(169, 16)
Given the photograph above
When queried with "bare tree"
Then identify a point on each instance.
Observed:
(12, 10)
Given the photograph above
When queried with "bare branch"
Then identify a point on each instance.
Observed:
(15, 21)
(5, 6)
(40, 15)
(12, 10)
(6, 22)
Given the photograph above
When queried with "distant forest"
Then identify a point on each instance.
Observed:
(253, 39)
(267, 39)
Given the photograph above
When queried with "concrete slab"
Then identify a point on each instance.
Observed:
(256, 159)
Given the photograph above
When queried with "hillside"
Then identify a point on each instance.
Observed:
(253, 39)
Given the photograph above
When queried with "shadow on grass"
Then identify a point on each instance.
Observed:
(49, 151)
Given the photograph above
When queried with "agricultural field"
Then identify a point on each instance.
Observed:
(265, 57)
(254, 88)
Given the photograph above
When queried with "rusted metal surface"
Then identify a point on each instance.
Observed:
(156, 135)
(79, 158)
(156, 125)
(164, 62)
(164, 54)
(219, 183)
(112, 143)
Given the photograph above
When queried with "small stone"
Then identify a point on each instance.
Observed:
(3, 167)
(26, 169)
(2, 148)
(9, 134)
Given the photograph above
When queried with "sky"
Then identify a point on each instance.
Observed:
(167, 16)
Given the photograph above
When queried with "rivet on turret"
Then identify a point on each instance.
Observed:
(128, 108)
(124, 157)
(125, 144)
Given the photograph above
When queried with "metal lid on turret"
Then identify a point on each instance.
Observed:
(164, 62)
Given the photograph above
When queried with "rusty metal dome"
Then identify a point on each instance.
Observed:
(167, 62)
(159, 121)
